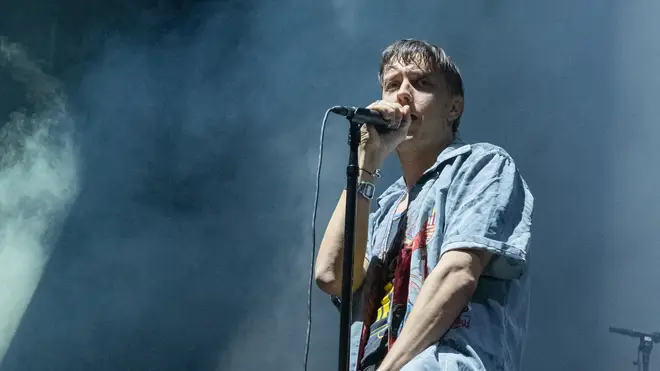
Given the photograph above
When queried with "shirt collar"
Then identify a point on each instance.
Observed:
(456, 148)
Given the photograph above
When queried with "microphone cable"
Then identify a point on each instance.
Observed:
(311, 268)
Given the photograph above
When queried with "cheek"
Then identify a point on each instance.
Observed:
(427, 104)
(423, 103)
(388, 97)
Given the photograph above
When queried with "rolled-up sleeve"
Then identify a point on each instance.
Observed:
(489, 206)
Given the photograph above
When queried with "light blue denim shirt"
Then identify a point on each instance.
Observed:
(473, 197)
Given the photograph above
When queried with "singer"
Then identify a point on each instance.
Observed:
(444, 284)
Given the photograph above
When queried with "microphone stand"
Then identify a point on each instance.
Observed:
(644, 350)
(349, 237)
(645, 345)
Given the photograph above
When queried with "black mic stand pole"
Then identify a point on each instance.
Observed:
(644, 350)
(349, 240)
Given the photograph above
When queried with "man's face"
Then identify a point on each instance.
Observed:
(432, 107)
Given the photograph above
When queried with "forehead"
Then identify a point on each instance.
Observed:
(408, 69)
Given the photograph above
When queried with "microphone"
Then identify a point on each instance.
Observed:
(364, 116)
(655, 337)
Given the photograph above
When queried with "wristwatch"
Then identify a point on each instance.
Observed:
(366, 189)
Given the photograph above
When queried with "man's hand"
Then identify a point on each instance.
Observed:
(375, 147)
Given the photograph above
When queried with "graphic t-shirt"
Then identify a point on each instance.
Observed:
(377, 344)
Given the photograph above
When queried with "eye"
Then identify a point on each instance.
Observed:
(424, 82)
(391, 85)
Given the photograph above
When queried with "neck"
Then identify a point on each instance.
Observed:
(416, 161)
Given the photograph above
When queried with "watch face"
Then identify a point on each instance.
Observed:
(367, 190)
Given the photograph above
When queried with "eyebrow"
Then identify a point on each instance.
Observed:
(417, 73)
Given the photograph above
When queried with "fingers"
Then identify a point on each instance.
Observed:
(381, 144)
(368, 132)
(396, 114)
(371, 130)
(406, 119)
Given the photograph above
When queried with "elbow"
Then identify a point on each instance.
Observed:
(330, 280)
(327, 281)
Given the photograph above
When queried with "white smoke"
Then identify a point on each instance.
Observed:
(346, 15)
(38, 183)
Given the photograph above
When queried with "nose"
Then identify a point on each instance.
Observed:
(403, 96)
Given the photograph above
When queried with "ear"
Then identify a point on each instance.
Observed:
(455, 108)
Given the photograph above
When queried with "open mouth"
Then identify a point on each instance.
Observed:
(414, 117)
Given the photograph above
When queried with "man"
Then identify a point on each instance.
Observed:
(444, 284)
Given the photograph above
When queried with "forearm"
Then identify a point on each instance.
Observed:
(444, 294)
(329, 261)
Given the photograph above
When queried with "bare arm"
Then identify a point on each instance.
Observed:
(329, 261)
(444, 294)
